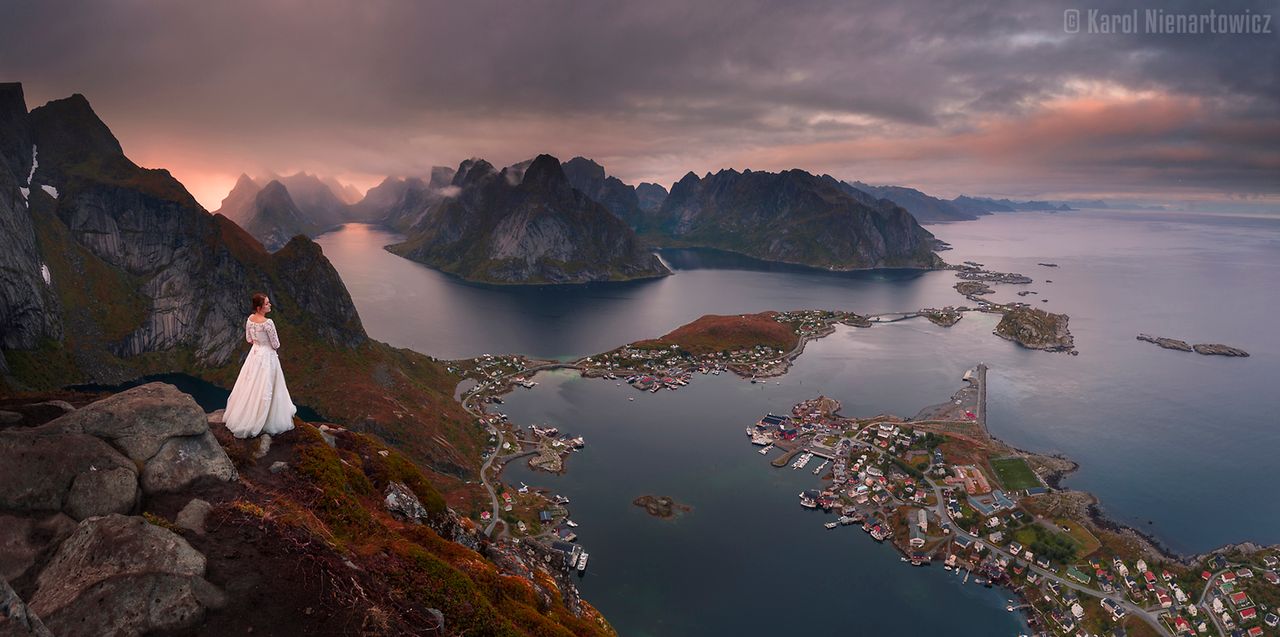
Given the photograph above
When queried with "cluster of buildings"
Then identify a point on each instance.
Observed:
(885, 474)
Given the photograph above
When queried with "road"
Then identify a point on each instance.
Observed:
(478, 412)
(940, 509)
(484, 479)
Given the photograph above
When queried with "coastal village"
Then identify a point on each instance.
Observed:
(936, 486)
(940, 490)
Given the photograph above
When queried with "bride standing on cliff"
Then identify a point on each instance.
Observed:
(259, 402)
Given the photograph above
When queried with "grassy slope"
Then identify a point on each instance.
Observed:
(327, 513)
(715, 333)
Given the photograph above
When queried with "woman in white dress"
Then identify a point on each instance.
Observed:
(259, 402)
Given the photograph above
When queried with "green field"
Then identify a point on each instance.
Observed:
(1014, 474)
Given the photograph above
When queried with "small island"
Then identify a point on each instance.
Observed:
(945, 317)
(661, 506)
(973, 288)
(1206, 349)
(1036, 329)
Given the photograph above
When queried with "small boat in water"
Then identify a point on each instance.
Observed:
(582, 562)
(831, 525)
(571, 523)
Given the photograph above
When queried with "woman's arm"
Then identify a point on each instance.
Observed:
(248, 335)
(271, 334)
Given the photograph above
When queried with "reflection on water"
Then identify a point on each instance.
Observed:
(1161, 436)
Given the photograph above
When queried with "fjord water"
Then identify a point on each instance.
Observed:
(1179, 445)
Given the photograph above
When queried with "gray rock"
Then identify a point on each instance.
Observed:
(263, 446)
(103, 491)
(278, 466)
(118, 575)
(29, 309)
(183, 460)
(1218, 349)
(193, 515)
(16, 619)
(9, 417)
(137, 421)
(23, 539)
(329, 439)
(39, 469)
(402, 503)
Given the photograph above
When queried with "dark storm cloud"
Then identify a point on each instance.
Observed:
(919, 92)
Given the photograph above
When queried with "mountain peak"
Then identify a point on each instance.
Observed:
(586, 167)
(472, 170)
(68, 132)
(545, 173)
(273, 189)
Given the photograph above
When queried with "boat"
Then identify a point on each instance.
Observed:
(831, 525)
(766, 450)
(571, 523)
(631, 398)
(582, 562)
(820, 468)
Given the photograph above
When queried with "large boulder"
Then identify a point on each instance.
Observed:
(138, 421)
(24, 538)
(118, 575)
(185, 459)
(16, 620)
(157, 426)
(76, 473)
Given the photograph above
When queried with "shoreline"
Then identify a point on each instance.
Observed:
(1085, 507)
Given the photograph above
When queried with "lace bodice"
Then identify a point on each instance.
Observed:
(263, 333)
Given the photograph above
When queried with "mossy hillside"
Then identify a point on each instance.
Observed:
(714, 333)
(337, 498)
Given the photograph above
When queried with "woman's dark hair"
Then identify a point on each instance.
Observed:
(259, 300)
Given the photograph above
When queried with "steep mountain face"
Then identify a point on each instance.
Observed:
(537, 229)
(792, 217)
(311, 208)
(238, 204)
(136, 266)
(589, 177)
(346, 193)
(28, 307)
(400, 202)
(319, 205)
(273, 218)
(143, 280)
(924, 208)
(650, 196)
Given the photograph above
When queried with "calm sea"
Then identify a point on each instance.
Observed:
(1179, 445)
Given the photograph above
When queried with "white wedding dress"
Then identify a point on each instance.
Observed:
(259, 402)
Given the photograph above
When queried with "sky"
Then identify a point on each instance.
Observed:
(986, 98)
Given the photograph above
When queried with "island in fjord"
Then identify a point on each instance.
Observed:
(937, 485)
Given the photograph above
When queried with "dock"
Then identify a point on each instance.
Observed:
(782, 460)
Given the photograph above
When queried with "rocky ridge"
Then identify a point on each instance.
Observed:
(345, 534)
(791, 217)
(525, 227)
(176, 276)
